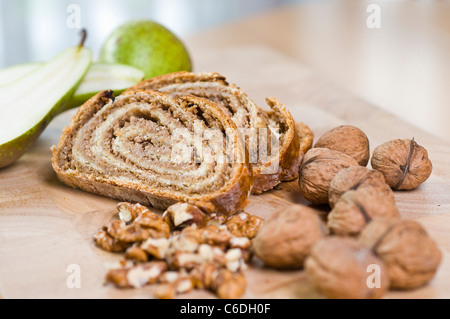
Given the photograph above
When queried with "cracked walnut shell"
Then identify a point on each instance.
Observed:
(338, 267)
(285, 239)
(404, 163)
(347, 139)
(318, 168)
(355, 209)
(356, 177)
(410, 255)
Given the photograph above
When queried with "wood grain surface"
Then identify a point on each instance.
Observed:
(401, 67)
(46, 226)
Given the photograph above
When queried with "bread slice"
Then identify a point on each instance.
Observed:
(275, 160)
(306, 136)
(141, 147)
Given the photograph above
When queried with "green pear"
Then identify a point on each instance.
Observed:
(100, 77)
(30, 102)
(146, 45)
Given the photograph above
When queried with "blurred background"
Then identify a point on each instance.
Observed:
(403, 66)
(35, 30)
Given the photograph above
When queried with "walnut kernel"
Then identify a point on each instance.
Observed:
(243, 225)
(170, 289)
(109, 243)
(184, 214)
(136, 276)
(156, 247)
(130, 211)
(200, 250)
(225, 283)
(136, 253)
(127, 233)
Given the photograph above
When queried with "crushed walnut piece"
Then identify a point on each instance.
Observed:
(225, 283)
(137, 275)
(107, 242)
(122, 232)
(244, 225)
(136, 253)
(187, 247)
(170, 290)
(129, 212)
(184, 214)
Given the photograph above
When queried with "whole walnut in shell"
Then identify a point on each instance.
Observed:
(347, 139)
(339, 268)
(404, 163)
(356, 177)
(355, 209)
(285, 238)
(410, 255)
(318, 168)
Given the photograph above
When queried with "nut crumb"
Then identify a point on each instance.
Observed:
(136, 276)
(181, 250)
(244, 225)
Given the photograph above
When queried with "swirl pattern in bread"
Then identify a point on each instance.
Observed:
(275, 160)
(125, 148)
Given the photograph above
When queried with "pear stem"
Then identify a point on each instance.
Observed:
(83, 37)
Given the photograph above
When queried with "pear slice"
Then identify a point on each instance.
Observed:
(100, 77)
(30, 102)
(14, 72)
(105, 76)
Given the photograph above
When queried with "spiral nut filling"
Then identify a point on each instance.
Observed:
(275, 159)
(141, 147)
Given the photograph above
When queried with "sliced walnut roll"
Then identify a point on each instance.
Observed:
(146, 147)
(271, 135)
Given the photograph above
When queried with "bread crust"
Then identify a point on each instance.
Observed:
(227, 200)
(305, 135)
(295, 142)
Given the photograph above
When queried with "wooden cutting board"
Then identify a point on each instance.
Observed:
(45, 227)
